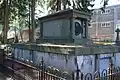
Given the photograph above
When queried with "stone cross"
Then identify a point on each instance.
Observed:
(117, 31)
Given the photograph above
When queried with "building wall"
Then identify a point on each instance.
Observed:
(103, 24)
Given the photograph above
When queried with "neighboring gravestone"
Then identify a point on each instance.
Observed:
(69, 26)
(117, 37)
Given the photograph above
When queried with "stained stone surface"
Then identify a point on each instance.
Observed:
(2, 77)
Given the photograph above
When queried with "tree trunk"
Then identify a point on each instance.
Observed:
(58, 5)
(29, 21)
(16, 37)
(32, 19)
(6, 21)
(21, 35)
(64, 2)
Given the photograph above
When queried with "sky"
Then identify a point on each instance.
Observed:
(110, 3)
(97, 5)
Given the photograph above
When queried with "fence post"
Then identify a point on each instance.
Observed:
(88, 76)
(73, 76)
(77, 74)
(104, 74)
(111, 69)
(39, 73)
(13, 64)
(97, 62)
(42, 71)
(97, 76)
(82, 76)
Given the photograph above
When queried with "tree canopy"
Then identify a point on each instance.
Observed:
(23, 11)
(82, 5)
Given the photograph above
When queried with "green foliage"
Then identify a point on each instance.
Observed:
(18, 14)
(43, 8)
(1, 39)
(55, 5)
(105, 2)
(82, 5)
(20, 11)
(18, 8)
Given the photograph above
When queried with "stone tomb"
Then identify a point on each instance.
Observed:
(64, 44)
(69, 26)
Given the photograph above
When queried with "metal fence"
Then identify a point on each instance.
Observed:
(41, 72)
(107, 74)
(29, 71)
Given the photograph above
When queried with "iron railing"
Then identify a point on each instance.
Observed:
(41, 72)
(106, 74)
(33, 72)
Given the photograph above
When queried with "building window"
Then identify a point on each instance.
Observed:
(105, 24)
(94, 12)
(107, 11)
(99, 12)
(102, 12)
(91, 25)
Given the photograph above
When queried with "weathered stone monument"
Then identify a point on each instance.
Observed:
(69, 26)
(64, 45)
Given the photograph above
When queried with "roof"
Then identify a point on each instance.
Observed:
(60, 46)
(118, 5)
(64, 13)
(113, 6)
(62, 49)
